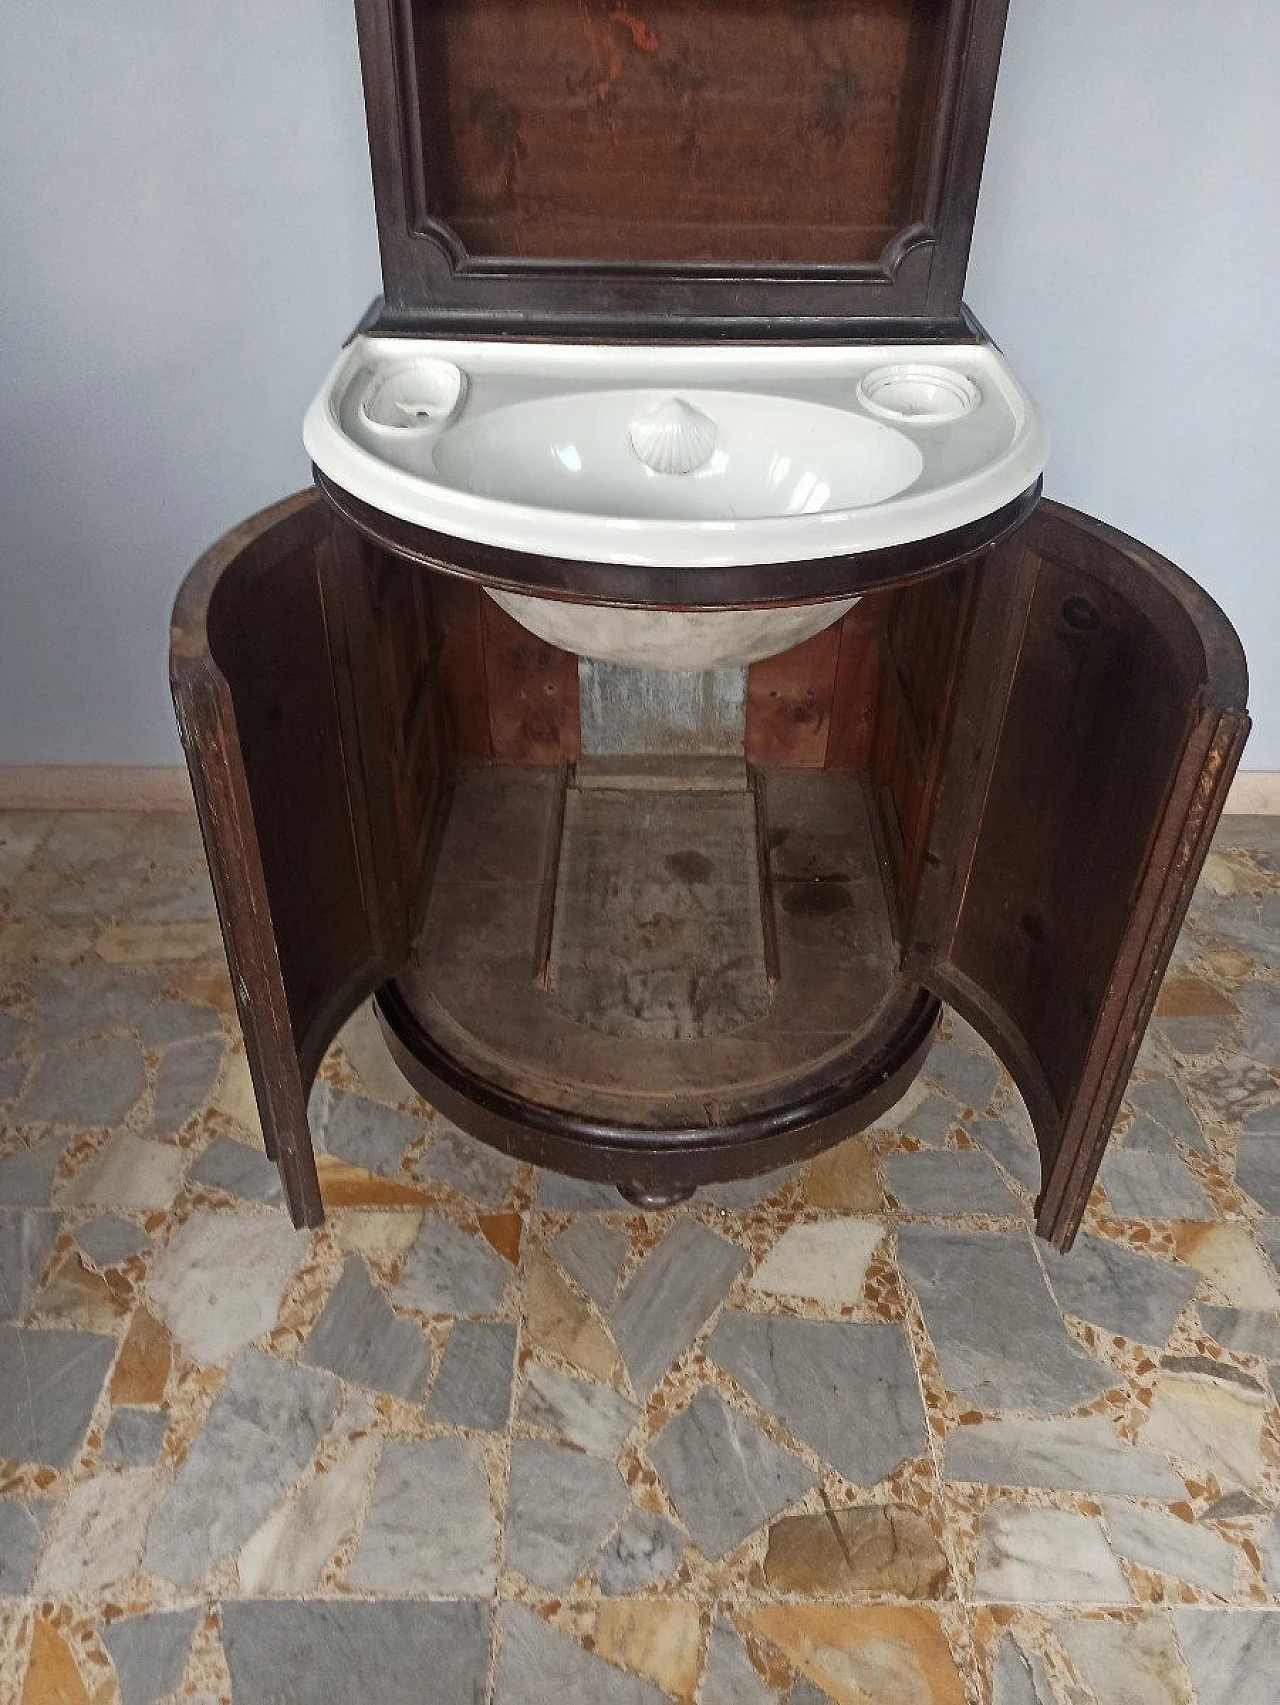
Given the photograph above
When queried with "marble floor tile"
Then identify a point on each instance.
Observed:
(1165, 1103)
(1233, 1656)
(880, 1548)
(967, 1075)
(360, 1337)
(49, 1383)
(723, 1475)
(673, 1293)
(1127, 1662)
(94, 1542)
(999, 1339)
(1114, 1287)
(657, 1639)
(645, 1551)
(134, 1437)
(22, 1524)
(241, 1169)
(1141, 1184)
(1161, 1541)
(149, 1653)
(26, 1242)
(451, 1271)
(1018, 1676)
(260, 1433)
(26, 1174)
(108, 1240)
(1268, 1231)
(592, 1254)
(1078, 1453)
(556, 1319)
(849, 1390)
(361, 1131)
(560, 1506)
(728, 1676)
(932, 1121)
(1045, 1556)
(184, 1081)
(1016, 1152)
(127, 1172)
(1211, 1427)
(219, 1282)
(844, 1180)
(473, 1386)
(431, 1527)
(889, 1654)
(1228, 1257)
(1258, 1170)
(591, 1416)
(1251, 1331)
(947, 1181)
(88, 1087)
(287, 1554)
(471, 1168)
(825, 1261)
(378, 1652)
(539, 1665)
(735, 1194)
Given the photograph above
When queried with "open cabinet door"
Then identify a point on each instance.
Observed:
(306, 687)
(1097, 722)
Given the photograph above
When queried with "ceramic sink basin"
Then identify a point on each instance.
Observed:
(676, 456)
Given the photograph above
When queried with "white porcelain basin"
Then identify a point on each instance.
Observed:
(676, 457)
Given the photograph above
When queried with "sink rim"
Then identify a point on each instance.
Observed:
(690, 545)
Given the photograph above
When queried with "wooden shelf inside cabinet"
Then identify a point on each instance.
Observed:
(992, 783)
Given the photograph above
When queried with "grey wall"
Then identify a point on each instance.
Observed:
(186, 235)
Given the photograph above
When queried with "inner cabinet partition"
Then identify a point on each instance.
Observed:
(1045, 732)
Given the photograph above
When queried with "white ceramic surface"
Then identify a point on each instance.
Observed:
(676, 456)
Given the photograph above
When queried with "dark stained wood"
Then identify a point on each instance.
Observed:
(752, 585)
(1099, 720)
(789, 699)
(301, 667)
(459, 621)
(857, 683)
(574, 167)
(532, 692)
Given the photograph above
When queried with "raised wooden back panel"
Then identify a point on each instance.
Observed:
(571, 164)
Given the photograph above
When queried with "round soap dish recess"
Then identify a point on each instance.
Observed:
(415, 396)
(916, 394)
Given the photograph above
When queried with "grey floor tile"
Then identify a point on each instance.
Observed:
(1160, 1540)
(728, 1676)
(947, 1181)
(645, 1551)
(1258, 1170)
(1127, 1663)
(560, 1506)
(1017, 1153)
(738, 1193)
(594, 1417)
(241, 1169)
(220, 1280)
(1046, 1556)
(384, 1652)
(969, 1076)
(1163, 1101)
(450, 1271)
(184, 1080)
(558, 1192)
(1119, 1290)
(592, 1253)
(1141, 1184)
(473, 1386)
(49, 1383)
(430, 1527)
(1233, 1655)
(723, 1475)
(1269, 1237)
(472, 1168)
(92, 1086)
(360, 1337)
(26, 1239)
(1250, 1331)
(134, 1437)
(258, 1437)
(108, 1240)
(149, 1653)
(1018, 1676)
(932, 1121)
(538, 1665)
(1079, 1453)
(848, 1390)
(26, 1174)
(22, 1522)
(128, 1172)
(1000, 1340)
(362, 1132)
(670, 1298)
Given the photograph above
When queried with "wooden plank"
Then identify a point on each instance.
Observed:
(533, 693)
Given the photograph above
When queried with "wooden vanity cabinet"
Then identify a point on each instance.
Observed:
(1042, 732)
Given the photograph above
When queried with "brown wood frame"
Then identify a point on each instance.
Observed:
(1067, 715)
(431, 285)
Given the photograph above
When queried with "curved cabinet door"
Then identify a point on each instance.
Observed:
(304, 677)
(1097, 722)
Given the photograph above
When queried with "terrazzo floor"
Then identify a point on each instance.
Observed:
(848, 1433)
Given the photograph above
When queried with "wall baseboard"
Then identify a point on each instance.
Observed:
(100, 787)
(95, 787)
